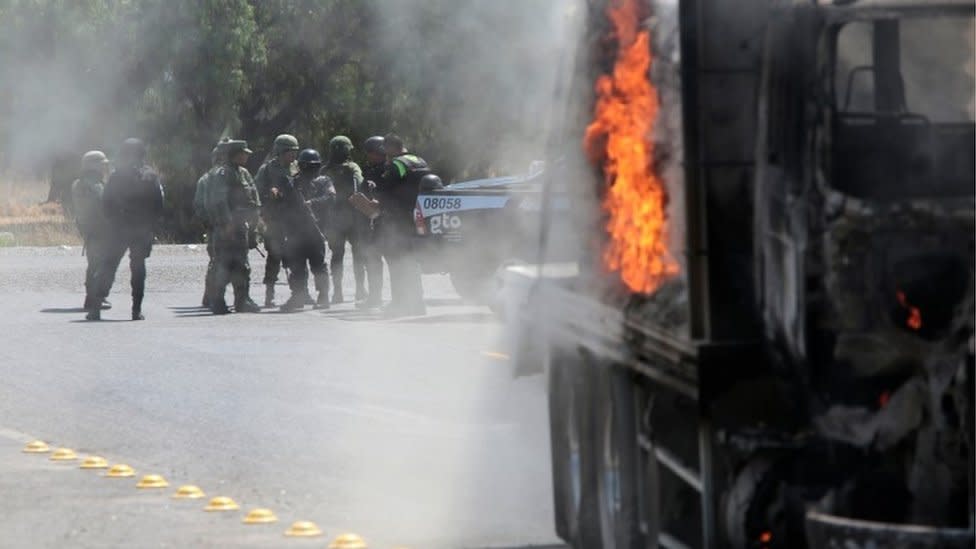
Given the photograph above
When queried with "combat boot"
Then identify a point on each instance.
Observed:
(218, 306)
(323, 301)
(137, 308)
(269, 295)
(295, 303)
(246, 305)
(337, 289)
(94, 314)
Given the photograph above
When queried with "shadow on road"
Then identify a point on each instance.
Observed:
(469, 318)
(63, 310)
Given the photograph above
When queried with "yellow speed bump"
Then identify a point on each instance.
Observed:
(152, 481)
(260, 516)
(36, 447)
(348, 541)
(189, 491)
(120, 470)
(94, 462)
(63, 454)
(303, 529)
(222, 503)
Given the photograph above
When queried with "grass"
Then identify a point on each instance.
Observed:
(26, 221)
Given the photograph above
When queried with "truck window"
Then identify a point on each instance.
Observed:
(903, 102)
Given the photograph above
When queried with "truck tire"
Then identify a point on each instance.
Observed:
(618, 460)
(566, 442)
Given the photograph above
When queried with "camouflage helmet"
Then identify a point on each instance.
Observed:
(342, 143)
(234, 146)
(93, 161)
(284, 143)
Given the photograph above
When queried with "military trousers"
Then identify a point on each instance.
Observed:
(95, 248)
(343, 230)
(274, 244)
(231, 265)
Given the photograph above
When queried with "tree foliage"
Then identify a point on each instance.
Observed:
(450, 75)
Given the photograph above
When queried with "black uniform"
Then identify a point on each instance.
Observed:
(369, 236)
(398, 192)
(133, 202)
(306, 202)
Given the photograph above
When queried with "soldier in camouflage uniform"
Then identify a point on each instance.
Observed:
(86, 195)
(345, 224)
(271, 177)
(232, 205)
(200, 210)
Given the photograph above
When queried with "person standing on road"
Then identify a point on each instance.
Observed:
(232, 205)
(271, 177)
(200, 210)
(133, 202)
(343, 225)
(86, 195)
(369, 243)
(397, 192)
(308, 202)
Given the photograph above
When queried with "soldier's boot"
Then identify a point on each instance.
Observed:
(269, 295)
(205, 302)
(137, 308)
(94, 313)
(106, 305)
(322, 287)
(337, 288)
(88, 303)
(219, 306)
(295, 303)
(246, 305)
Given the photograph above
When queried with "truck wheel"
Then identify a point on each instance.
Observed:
(618, 460)
(566, 442)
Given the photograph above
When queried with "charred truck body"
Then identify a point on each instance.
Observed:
(767, 339)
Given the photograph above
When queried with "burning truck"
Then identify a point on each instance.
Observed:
(766, 336)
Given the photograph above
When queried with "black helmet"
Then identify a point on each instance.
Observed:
(374, 144)
(132, 150)
(309, 159)
(431, 182)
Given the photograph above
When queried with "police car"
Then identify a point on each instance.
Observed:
(473, 229)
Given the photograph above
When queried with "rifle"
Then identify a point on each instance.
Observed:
(309, 211)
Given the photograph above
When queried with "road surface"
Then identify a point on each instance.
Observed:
(410, 432)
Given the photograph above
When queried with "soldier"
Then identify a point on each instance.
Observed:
(271, 177)
(233, 205)
(86, 195)
(200, 209)
(369, 241)
(133, 202)
(344, 225)
(397, 192)
(307, 201)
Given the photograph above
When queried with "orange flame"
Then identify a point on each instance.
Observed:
(620, 140)
(914, 320)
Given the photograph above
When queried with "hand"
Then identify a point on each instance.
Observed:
(275, 192)
(371, 185)
(308, 202)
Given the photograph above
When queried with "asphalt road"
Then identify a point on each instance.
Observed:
(409, 432)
